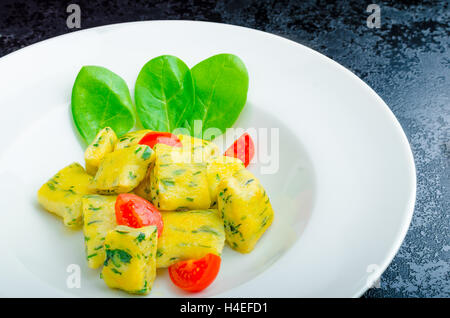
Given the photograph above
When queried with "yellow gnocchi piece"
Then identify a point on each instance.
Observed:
(130, 263)
(62, 194)
(103, 143)
(245, 209)
(219, 168)
(144, 188)
(178, 186)
(167, 155)
(99, 218)
(189, 235)
(130, 139)
(122, 170)
(202, 150)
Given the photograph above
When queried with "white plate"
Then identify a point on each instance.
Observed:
(343, 195)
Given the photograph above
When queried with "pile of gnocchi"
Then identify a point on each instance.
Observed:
(149, 200)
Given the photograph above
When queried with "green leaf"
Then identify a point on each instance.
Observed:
(164, 94)
(140, 237)
(147, 153)
(207, 229)
(100, 98)
(117, 257)
(168, 182)
(221, 86)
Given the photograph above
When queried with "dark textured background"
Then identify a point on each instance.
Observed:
(406, 61)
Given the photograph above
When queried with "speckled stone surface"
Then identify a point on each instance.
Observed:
(406, 61)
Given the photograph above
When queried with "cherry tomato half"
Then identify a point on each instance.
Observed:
(158, 137)
(195, 275)
(136, 212)
(243, 149)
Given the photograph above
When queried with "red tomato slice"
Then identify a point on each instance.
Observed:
(136, 212)
(158, 137)
(195, 275)
(243, 149)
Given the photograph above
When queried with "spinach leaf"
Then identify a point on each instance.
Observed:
(100, 98)
(164, 94)
(221, 85)
(117, 257)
